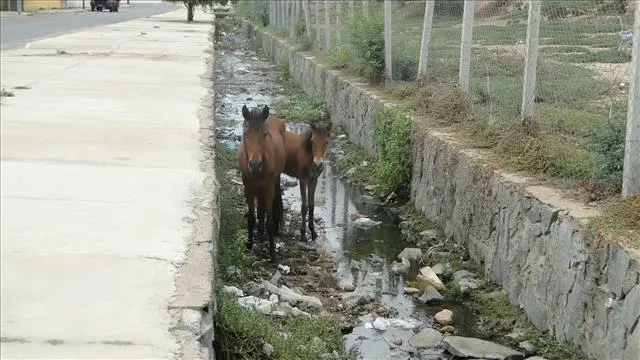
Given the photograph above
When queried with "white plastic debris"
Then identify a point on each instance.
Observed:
(284, 269)
(274, 298)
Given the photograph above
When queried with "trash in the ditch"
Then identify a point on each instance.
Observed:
(284, 269)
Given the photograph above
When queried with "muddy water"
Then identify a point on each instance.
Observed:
(364, 256)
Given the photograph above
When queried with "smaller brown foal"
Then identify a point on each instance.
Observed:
(305, 161)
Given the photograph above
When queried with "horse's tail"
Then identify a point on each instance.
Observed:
(278, 209)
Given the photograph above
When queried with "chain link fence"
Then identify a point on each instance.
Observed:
(562, 65)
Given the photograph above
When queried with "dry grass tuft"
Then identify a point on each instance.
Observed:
(620, 221)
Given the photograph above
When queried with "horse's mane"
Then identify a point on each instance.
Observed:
(306, 140)
(255, 119)
(320, 127)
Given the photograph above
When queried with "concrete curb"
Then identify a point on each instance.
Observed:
(193, 306)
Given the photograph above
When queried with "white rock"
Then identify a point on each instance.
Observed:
(291, 296)
(381, 324)
(366, 223)
(406, 324)
(252, 302)
(274, 298)
(233, 291)
(429, 276)
(444, 317)
(412, 254)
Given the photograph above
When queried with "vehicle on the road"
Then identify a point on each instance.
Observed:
(111, 5)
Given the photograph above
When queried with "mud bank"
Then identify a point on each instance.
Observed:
(530, 240)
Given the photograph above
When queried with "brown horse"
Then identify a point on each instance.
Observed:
(261, 159)
(305, 161)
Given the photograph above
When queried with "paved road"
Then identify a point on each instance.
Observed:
(17, 31)
(107, 212)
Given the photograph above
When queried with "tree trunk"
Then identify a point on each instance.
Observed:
(190, 9)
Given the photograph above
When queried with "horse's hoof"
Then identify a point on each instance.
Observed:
(249, 245)
(314, 235)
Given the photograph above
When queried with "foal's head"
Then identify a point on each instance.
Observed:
(318, 142)
(255, 132)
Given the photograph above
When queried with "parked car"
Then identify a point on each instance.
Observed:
(112, 5)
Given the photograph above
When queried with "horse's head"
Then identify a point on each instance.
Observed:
(255, 132)
(319, 139)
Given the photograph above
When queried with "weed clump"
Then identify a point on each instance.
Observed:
(242, 334)
(297, 106)
(366, 41)
(392, 138)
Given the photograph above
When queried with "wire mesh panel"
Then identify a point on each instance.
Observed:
(407, 18)
(444, 47)
(497, 60)
(582, 85)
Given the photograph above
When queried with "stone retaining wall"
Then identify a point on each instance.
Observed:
(529, 239)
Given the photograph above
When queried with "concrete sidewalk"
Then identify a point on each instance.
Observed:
(108, 193)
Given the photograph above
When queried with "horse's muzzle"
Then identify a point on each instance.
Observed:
(255, 165)
(318, 165)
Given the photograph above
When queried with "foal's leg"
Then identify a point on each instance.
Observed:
(303, 208)
(270, 222)
(312, 199)
(250, 215)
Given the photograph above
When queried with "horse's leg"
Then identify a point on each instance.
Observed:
(250, 215)
(303, 206)
(268, 201)
(312, 199)
(261, 213)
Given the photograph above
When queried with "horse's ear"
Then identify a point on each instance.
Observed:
(329, 126)
(265, 112)
(245, 112)
(313, 126)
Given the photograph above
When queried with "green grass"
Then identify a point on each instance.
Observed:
(242, 334)
(362, 164)
(297, 106)
(492, 326)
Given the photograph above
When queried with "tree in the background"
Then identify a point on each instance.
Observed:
(192, 4)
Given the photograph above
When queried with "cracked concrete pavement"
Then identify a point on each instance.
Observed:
(108, 193)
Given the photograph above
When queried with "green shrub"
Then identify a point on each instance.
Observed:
(282, 67)
(338, 57)
(608, 143)
(392, 137)
(298, 107)
(367, 43)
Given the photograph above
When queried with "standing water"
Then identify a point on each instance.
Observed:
(364, 256)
